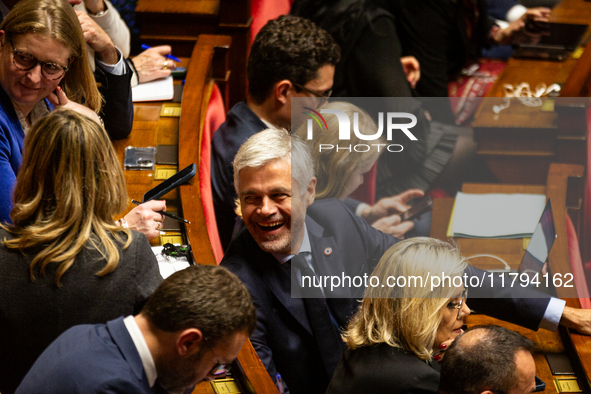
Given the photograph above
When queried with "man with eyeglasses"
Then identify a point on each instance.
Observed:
(191, 329)
(290, 57)
(488, 360)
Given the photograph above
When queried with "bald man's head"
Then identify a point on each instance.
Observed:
(488, 359)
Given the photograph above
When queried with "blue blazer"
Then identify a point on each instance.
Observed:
(87, 359)
(283, 338)
(12, 139)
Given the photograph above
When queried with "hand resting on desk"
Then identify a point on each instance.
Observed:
(578, 319)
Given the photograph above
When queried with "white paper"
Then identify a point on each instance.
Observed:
(497, 215)
(161, 89)
(169, 265)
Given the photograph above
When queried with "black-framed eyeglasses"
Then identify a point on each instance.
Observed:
(323, 97)
(460, 304)
(218, 368)
(25, 61)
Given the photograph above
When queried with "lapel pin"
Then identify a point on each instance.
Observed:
(328, 251)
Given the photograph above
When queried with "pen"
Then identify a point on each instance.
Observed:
(170, 215)
(280, 384)
(176, 59)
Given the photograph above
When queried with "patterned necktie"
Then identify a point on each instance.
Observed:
(328, 340)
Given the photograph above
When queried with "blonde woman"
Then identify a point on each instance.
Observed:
(340, 172)
(43, 65)
(65, 261)
(398, 331)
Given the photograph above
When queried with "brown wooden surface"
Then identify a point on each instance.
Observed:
(149, 129)
(511, 250)
(520, 143)
(179, 22)
(549, 72)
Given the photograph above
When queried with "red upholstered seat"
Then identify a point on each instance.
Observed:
(366, 192)
(263, 11)
(214, 117)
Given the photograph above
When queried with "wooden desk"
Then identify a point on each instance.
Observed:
(179, 22)
(150, 129)
(511, 250)
(549, 72)
(519, 146)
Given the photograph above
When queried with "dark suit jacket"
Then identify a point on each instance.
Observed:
(117, 111)
(498, 8)
(89, 359)
(283, 338)
(33, 314)
(382, 369)
(241, 124)
(435, 32)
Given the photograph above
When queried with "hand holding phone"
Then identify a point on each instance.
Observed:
(419, 207)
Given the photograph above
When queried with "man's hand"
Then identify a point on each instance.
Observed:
(98, 39)
(94, 6)
(579, 319)
(59, 99)
(528, 28)
(392, 225)
(412, 69)
(146, 219)
(150, 63)
(389, 206)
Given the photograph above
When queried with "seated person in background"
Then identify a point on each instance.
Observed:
(274, 179)
(108, 42)
(398, 332)
(111, 74)
(64, 261)
(191, 329)
(371, 66)
(445, 35)
(488, 360)
(290, 57)
(340, 173)
(48, 30)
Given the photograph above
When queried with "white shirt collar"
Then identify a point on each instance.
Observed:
(268, 124)
(305, 247)
(142, 348)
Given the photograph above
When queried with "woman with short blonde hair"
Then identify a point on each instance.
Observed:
(401, 327)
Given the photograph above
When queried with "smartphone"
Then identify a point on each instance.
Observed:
(139, 158)
(179, 73)
(173, 182)
(419, 207)
(540, 385)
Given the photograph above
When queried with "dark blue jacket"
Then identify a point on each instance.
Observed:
(12, 139)
(89, 359)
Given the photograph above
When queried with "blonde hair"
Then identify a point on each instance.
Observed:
(67, 190)
(406, 317)
(335, 168)
(56, 19)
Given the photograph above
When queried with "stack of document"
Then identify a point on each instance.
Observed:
(496, 215)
